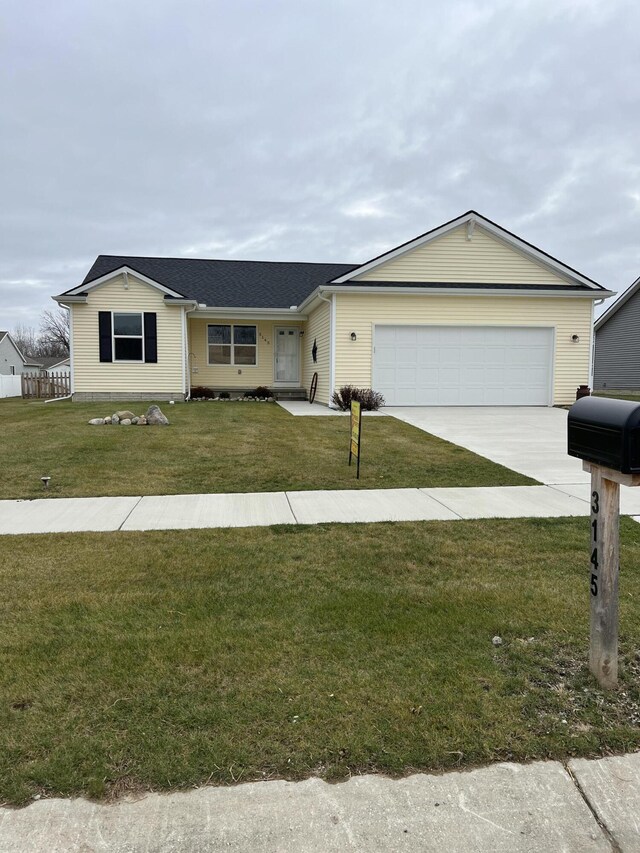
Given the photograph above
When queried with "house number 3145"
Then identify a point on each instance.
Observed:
(595, 509)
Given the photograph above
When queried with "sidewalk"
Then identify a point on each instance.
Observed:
(183, 512)
(506, 808)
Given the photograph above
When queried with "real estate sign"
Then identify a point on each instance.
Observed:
(356, 431)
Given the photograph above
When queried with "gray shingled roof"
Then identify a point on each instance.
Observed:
(228, 284)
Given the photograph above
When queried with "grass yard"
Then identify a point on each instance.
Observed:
(220, 447)
(164, 660)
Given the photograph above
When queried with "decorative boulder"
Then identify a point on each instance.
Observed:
(107, 420)
(115, 419)
(125, 422)
(125, 414)
(134, 420)
(155, 417)
(142, 421)
(97, 421)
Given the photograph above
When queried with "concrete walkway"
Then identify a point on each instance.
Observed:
(183, 512)
(585, 807)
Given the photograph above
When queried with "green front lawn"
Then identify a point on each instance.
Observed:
(164, 660)
(220, 447)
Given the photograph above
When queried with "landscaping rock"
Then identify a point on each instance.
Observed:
(155, 417)
(125, 415)
(115, 419)
(134, 420)
(497, 641)
(107, 420)
(142, 421)
(125, 422)
(97, 421)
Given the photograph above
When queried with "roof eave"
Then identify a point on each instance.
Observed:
(468, 291)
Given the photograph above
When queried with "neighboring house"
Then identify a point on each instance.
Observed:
(55, 365)
(617, 355)
(12, 361)
(466, 314)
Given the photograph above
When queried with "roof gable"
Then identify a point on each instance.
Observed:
(470, 249)
(219, 283)
(6, 336)
(620, 302)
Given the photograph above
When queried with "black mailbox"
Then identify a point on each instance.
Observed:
(606, 432)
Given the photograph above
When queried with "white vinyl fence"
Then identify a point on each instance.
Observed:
(10, 386)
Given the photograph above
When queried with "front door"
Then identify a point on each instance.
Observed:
(286, 355)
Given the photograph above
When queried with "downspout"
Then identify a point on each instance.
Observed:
(592, 342)
(185, 352)
(332, 344)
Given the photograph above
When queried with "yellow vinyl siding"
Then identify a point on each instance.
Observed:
(360, 312)
(222, 376)
(317, 329)
(452, 258)
(93, 376)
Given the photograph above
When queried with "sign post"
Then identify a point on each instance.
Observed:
(604, 568)
(354, 443)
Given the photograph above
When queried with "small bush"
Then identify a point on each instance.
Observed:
(261, 392)
(369, 400)
(224, 395)
(200, 391)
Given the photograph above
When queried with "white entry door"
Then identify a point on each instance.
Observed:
(286, 351)
(463, 365)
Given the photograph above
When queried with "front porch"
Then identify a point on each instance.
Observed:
(240, 354)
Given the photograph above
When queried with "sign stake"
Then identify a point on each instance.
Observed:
(356, 428)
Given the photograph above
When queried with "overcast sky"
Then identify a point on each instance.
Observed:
(312, 130)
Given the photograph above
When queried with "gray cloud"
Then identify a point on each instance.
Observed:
(311, 131)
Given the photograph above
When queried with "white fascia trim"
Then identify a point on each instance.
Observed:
(120, 271)
(64, 301)
(494, 230)
(620, 301)
(463, 291)
(211, 312)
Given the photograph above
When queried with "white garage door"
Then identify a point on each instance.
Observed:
(463, 365)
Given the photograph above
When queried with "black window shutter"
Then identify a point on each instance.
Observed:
(150, 337)
(104, 329)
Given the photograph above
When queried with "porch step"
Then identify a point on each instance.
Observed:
(290, 393)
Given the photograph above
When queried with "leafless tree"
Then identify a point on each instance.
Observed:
(52, 339)
(26, 337)
(54, 332)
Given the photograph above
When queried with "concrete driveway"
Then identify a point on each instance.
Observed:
(532, 441)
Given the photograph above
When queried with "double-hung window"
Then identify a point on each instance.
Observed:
(233, 345)
(128, 338)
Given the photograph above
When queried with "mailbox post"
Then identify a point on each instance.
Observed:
(605, 434)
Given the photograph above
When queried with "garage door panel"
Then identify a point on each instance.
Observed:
(463, 365)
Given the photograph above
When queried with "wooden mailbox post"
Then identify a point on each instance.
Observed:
(605, 434)
(604, 564)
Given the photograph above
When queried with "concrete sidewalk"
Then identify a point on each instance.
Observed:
(506, 808)
(260, 509)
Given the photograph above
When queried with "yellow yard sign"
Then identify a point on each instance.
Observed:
(354, 446)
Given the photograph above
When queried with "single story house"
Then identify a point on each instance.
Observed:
(617, 356)
(55, 365)
(12, 361)
(465, 314)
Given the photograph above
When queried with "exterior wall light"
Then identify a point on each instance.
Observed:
(353, 336)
